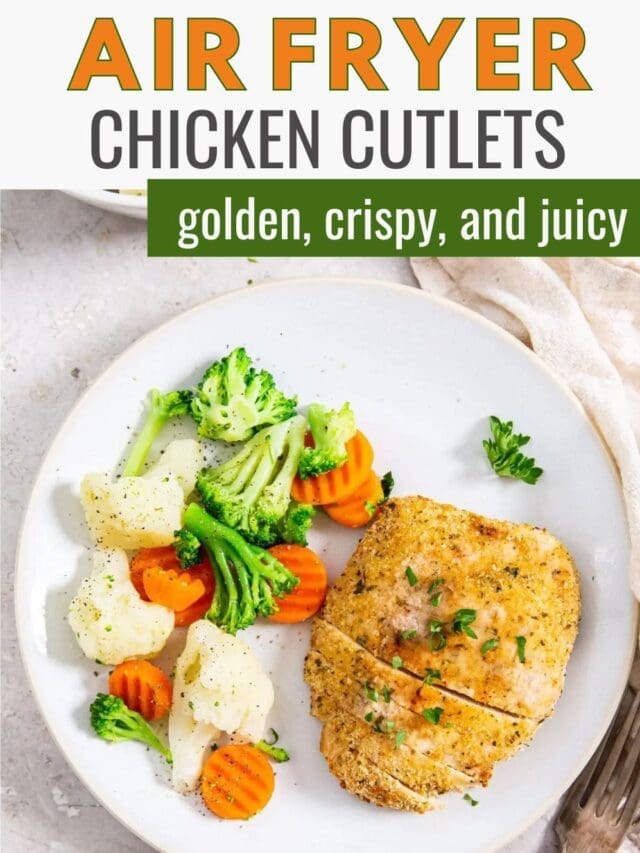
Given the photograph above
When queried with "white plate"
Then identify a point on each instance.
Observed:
(423, 376)
(124, 203)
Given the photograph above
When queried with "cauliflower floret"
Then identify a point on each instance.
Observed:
(142, 512)
(219, 687)
(181, 461)
(110, 620)
(131, 512)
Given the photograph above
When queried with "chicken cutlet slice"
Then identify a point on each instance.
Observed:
(430, 584)
(341, 746)
(469, 736)
(336, 694)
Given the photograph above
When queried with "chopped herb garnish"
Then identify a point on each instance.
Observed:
(369, 717)
(400, 738)
(435, 600)
(370, 507)
(433, 586)
(504, 453)
(437, 640)
(396, 662)
(276, 752)
(462, 619)
(489, 645)
(521, 643)
(371, 692)
(108, 628)
(387, 483)
(408, 635)
(386, 694)
(432, 715)
(389, 725)
(469, 799)
(411, 576)
(432, 675)
(377, 726)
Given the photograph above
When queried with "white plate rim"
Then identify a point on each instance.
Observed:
(20, 607)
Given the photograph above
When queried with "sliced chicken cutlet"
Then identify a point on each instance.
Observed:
(335, 694)
(468, 737)
(429, 585)
(378, 736)
(351, 764)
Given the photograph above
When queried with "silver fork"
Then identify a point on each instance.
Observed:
(605, 799)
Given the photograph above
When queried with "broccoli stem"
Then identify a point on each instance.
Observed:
(152, 428)
(259, 577)
(112, 720)
(162, 407)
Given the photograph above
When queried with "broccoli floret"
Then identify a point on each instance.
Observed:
(248, 579)
(297, 520)
(331, 430)
(252, 491)
(114, 721)
(187, 548)
(233, 400)
(161, 408)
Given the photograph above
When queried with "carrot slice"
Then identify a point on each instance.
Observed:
(336, 485)
(237, 781)
(167, 559)
(360, 507)
(142, 687)
(308, 596)
(172, 589)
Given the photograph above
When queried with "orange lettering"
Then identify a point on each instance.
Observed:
(104, 38)
(201, 57)
(343, 56)
(429, 53)
(547, 57)
(490, 54)
(285, 53)
(163, 54)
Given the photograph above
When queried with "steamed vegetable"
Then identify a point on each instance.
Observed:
(335, 486)
(308, 596)
(237, 782)
(248, 580)
(143, 687)
(162, 407)
(252, 491)
(110, 620)
(176, 590)
(503, 453)
(113, 721)
(219, 687)
(233, 400)
(359, 508)
(141, 512)
(331, 429)
(187, 548)
(295, 525)
(165, 560)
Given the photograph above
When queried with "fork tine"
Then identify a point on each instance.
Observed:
(572, 804)
(630, 807)
(626, 773)
(614, 756)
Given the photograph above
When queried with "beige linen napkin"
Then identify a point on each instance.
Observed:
(582, 317)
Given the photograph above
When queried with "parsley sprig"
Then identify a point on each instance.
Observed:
(504, 453)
